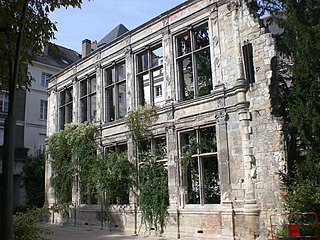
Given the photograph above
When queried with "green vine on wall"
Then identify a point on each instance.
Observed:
(153, 195)
(140, 120)
(73, 152)
(115, 177)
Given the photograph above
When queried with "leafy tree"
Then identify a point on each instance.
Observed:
(24, 28)
(33, 180)
(299, 81)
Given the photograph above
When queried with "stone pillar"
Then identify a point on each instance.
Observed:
(251, 209)
(52, 127)
(173, 169)
(227, 213)
(167, 47)
(130, 87)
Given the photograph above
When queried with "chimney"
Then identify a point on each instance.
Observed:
(93, 44)
(86, 47)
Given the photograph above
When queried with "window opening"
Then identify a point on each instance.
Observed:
(194, 64)
(43, 109)
(116, 106)
(88, 99)
(45, 79)
(65, 107)
(248, 62)
(201, 170)
(150, 75)
(4, 102)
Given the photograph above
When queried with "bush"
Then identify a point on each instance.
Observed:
(25, 225)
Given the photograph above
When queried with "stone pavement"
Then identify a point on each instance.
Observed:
(68, 232)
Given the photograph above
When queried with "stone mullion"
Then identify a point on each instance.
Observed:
(215, 51)
(75, 100)
(99, 98)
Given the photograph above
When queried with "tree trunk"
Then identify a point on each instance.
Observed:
(7, 173)
(10, 138)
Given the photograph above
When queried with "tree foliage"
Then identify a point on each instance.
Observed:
(38, 30)
(33, 180)
(299, 81)
(25, 225)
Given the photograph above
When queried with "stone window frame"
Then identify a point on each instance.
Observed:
(43, 109)
(119, 97)
(148, 66)
(198, 156)
(191, 52)
(88, 98)
(65, 106)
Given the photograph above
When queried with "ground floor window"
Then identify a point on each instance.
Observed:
(200, 162)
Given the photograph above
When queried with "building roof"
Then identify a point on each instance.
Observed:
(58, 56)
(112, 35)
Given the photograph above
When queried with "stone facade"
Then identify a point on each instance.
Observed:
(165, 62)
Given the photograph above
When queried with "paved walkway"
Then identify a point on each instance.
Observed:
(88, 233)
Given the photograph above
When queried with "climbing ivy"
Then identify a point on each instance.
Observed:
(115, 177)
(73, 152)
(153, 194)
(140, 120)
(154, 198)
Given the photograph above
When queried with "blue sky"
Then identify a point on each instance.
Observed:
(98, 17)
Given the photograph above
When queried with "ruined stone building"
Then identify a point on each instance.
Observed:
(206, 66)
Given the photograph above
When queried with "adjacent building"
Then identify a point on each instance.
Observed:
(207, 67)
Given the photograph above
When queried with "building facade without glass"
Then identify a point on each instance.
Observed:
(206, 66)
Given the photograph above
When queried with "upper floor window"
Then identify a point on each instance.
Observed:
(193, 62)
(45, 79)
(88, 99)
(247, 51)
(199, 156)
(4, 102)
(65, 107)
(43, 109)
(42, 143)
(150, 75)
(115, 82)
